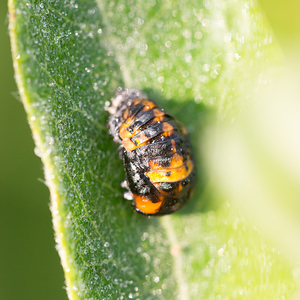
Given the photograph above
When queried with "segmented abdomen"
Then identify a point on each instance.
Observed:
(157, 155)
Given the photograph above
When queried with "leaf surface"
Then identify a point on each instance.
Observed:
(190, 56)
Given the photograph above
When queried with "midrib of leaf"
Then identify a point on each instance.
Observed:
(166, 222)
(49, 170)
(182, 286)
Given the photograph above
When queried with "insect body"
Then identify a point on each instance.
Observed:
(156, 152)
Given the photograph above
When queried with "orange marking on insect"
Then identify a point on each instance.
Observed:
(140, 139)
(145, 205)
(137, 101)
(155, 165)
(173, 146)
(148, 104)
(158, 115)
(123, 132)
(171, 175)
(176, 161)
(126, 114)
(178, 189)
(168, 129)
(129, 144)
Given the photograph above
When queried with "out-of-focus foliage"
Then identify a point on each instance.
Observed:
(257, 163)
(285, 21)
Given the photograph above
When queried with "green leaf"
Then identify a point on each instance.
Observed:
(197, 58)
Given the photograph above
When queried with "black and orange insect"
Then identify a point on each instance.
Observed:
(155, 148)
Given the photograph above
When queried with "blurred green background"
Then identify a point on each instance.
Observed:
(29, 264)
